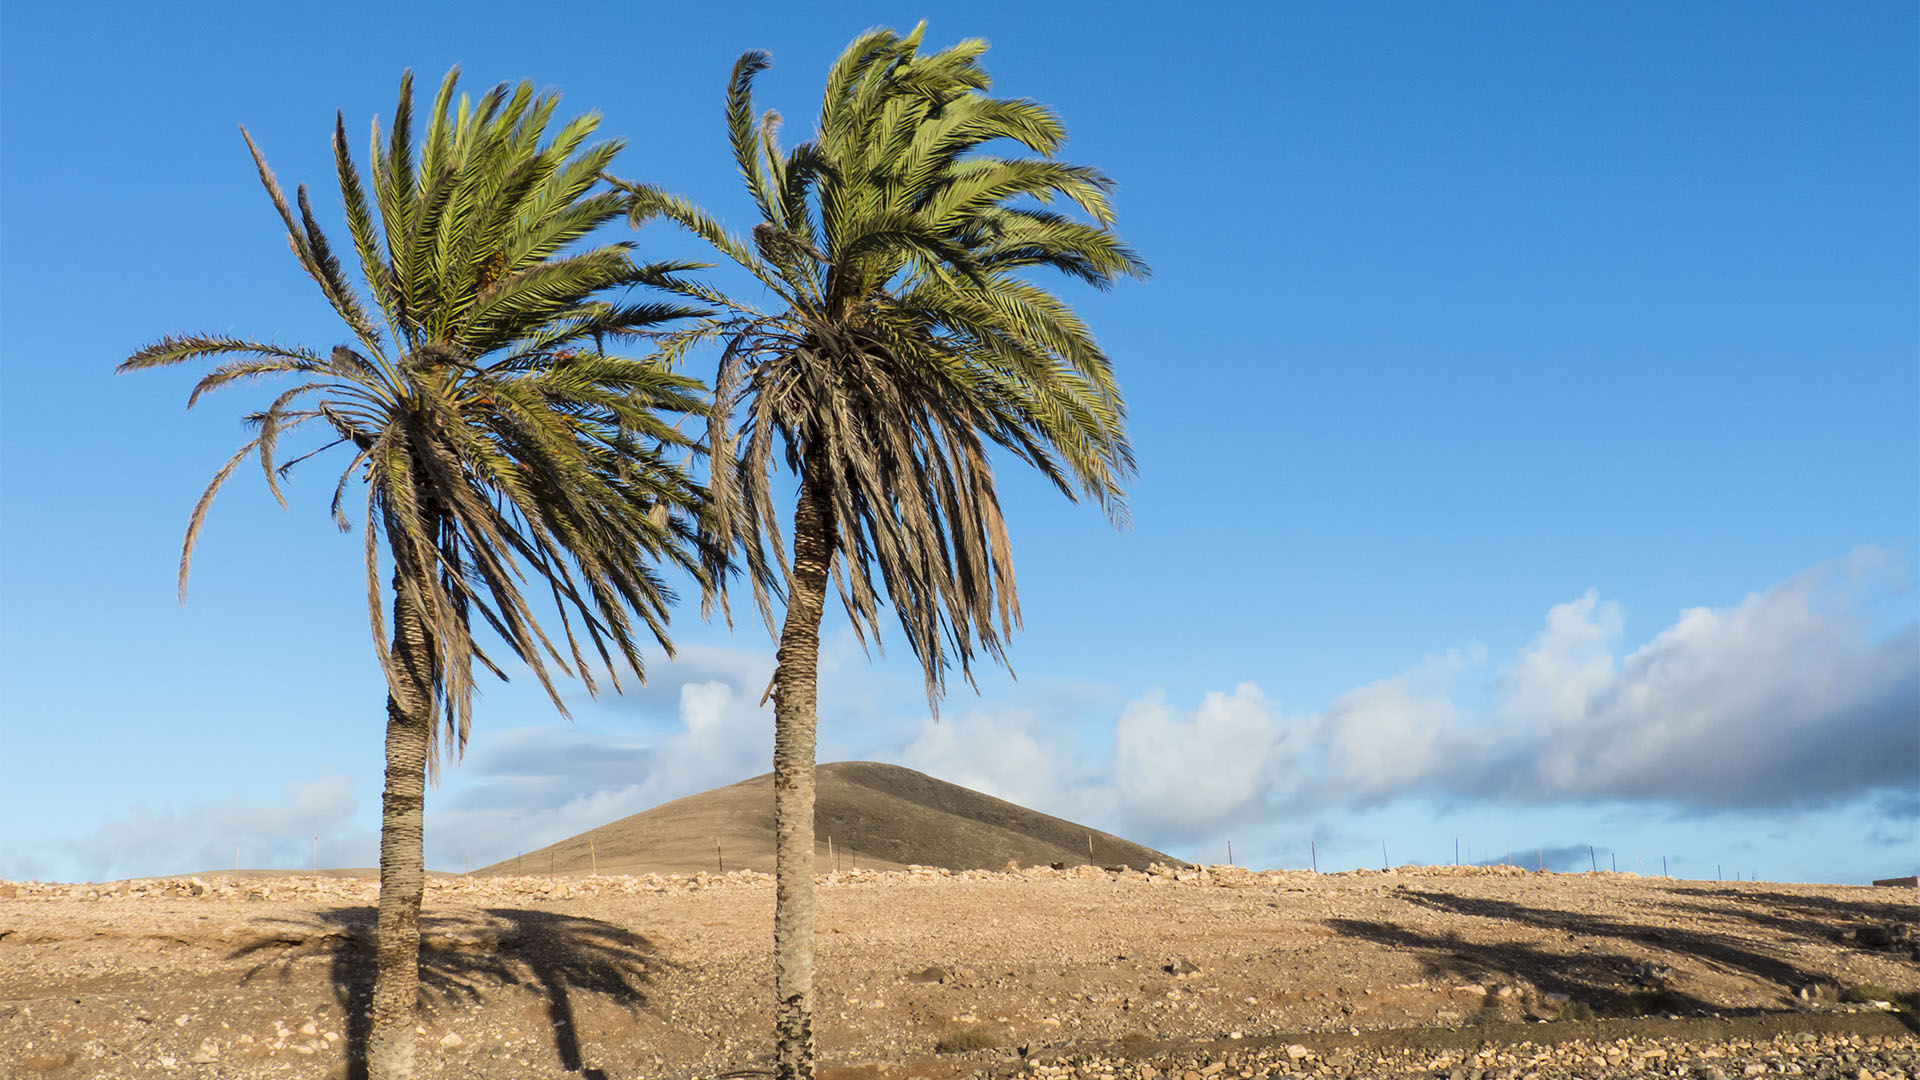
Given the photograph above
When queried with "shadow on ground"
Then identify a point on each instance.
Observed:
(1608, 978)
(1806, 916)
(462, 956)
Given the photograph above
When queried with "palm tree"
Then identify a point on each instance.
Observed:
(495, 434)
(902, 338)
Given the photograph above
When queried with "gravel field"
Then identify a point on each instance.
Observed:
(1214, 972)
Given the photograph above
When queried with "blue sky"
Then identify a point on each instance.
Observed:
(1527, 400)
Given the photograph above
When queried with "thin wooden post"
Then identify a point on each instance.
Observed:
(1593, 859)
(719, 855)
(1229, 853)
(594, 854)
(1383, 855)
(1314, 850)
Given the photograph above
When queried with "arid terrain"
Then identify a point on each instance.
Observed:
(1193, 972)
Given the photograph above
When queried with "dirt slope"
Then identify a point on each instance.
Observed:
(656, 978)
(867, 816)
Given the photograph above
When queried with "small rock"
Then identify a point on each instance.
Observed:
(46, 1062)
(451, 1040)
(1182, 967)
(1214, 1069)
(933, 974)
(1873, 937)
(1296, 1051)
(208, 1053)
(181, 1020)
(309, 1028)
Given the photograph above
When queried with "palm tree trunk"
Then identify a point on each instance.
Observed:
(795, 695)
(396, 979)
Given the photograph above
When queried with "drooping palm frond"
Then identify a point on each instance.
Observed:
(905, 338)
(504, 449)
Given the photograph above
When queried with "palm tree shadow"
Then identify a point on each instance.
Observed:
(1602, 975)
(461, 956)
(1805, 916)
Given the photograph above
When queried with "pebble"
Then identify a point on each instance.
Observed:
(1802, 1054)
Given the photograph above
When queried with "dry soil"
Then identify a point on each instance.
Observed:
(1418, 971)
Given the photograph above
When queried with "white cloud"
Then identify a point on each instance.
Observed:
(1006, 753)
(1379, 738)
(1214, 765)
(211, 836)
(1783, 700)
(992, 753)
(1780, 699)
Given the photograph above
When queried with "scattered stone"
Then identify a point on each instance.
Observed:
(451, 1040)
(1182, 967)
(933, 974)
(1653, 975)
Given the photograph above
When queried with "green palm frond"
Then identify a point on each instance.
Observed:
(503, 449)
(905, 338)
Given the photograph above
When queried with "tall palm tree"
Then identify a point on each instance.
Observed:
(903, 337)
(501, 445)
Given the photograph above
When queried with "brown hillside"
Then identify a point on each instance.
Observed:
(878, 817)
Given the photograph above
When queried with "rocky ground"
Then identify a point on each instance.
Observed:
(1469, 974)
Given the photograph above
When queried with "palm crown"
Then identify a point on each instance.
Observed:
(493, 430)
(907, 336)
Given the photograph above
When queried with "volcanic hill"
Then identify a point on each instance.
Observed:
(867, 815)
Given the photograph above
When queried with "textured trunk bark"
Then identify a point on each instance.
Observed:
(795, 695)
(396, 979)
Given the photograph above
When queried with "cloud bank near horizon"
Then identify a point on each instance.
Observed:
(1781, 702)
